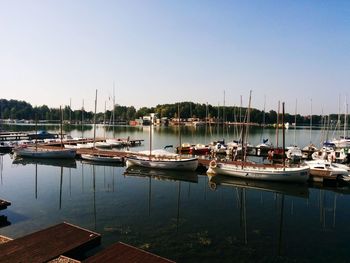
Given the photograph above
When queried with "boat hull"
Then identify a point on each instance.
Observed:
(104, 159)
(46, 153)
(287, 174)
(189, 164)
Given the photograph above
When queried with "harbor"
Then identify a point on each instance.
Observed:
(168, 212)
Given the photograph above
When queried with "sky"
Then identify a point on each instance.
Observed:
(156, 52)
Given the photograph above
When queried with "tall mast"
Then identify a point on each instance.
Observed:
(61, 124)
(339, 121)
(295, 120)
(278, 123)
(113, 107)
(70, 110)
(345, 117)
(82, 120)
(247, 127)
(178, 114)
(150, 138)
(95, 119)
(283, 137)
(311, 122)
(223, 118)
(218, 120)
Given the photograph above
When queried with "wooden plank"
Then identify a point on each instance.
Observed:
(4, 239)
(63, 259)
(120, 252)
(48, 244)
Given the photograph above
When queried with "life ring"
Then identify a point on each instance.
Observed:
(212, 164)
(212, 186)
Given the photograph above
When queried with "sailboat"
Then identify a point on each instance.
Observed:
(46, 153)
(269, 172)
(97, 157)
(161, 159)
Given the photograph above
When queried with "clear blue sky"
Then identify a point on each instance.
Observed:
(168, 51)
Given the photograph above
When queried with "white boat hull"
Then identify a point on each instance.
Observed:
(98, 158)
(188, 164)
(268, 173)
(45, 153)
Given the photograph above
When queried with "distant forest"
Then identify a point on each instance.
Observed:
(14, 109)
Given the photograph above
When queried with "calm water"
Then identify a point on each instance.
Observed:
(182, 216)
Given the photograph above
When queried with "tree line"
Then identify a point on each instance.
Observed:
(14, 109)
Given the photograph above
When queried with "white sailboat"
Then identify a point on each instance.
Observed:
(161, 159)
(49, 153)
(269, 172)
(95, 156)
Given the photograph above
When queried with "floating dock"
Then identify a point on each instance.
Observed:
(48, 244)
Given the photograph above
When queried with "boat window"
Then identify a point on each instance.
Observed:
(319, 167)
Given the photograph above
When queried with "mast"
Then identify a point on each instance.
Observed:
(283, 137)
(70, 110)
(223, 118)
(247, 128)
(345, 118)
(150, 137)
(113, 107)
(95, 119)
(206, 122)
(295, 121)
(311, 122)
(278, 123)
(82, 120)
(178, 114)
(61, 124)
(218, 120)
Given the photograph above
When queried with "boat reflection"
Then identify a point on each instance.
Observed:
(96, 163)
(4, 221)
(185, 176)
(164, 175)
(66, 163)
(297, 190)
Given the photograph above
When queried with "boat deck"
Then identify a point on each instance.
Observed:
(48, 244)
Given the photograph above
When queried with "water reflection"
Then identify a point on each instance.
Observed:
(183, 216)
(67, 163)
(298, 190)
(186, 176)
(243, 187)
(164, 175)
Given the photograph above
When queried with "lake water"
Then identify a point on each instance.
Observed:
(186, 217)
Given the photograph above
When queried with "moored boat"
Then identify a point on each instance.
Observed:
(102, 158)
(321, 170)
(162, 159)
(35, 152)
(267, 172)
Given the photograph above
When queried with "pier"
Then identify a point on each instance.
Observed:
(63, 242)
(48, 244)
(17, 136)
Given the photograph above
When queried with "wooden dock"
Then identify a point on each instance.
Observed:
(48, 244)
(17, 136)
(124, 253)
